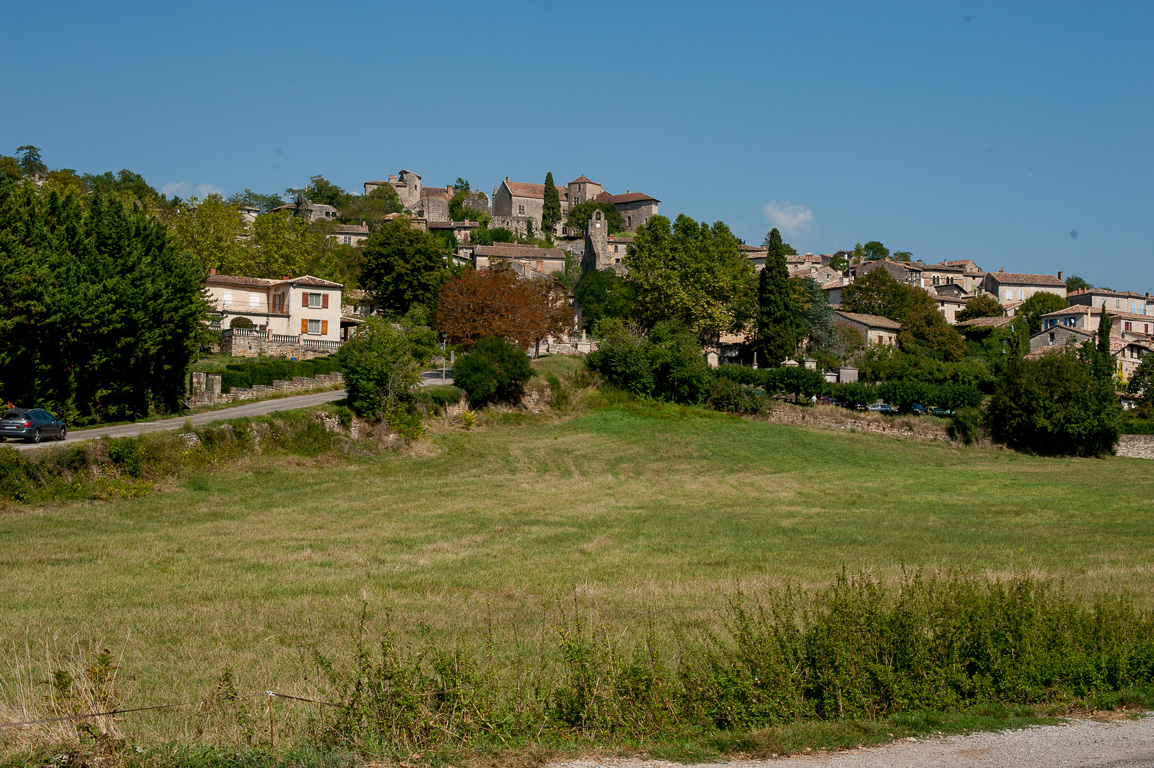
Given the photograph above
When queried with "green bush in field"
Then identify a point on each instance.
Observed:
(666, 365)
(494, 371)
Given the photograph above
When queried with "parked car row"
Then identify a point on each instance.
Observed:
(31, 425)
(916, 409)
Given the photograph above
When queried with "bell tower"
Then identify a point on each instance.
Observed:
(596, 243)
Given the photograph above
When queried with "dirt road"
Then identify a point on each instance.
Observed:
(1079, 744)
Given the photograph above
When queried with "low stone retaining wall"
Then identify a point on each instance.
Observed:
(206, 388)
(242, 342)
(831, 418)
(1136, 446)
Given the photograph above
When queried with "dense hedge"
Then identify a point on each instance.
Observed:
(245, 374)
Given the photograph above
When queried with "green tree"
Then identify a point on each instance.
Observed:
(262, 202)
(101, 315)
(776, 339)
(10, 168)
(1054, 405)
(213, 230)
(373, 209)
(280, 244)
(1039, 304)
(902, 256)
(382, 365)
(981, 306)
(30, 162)
(875, 251)
(1075, 283)
(692, 273)
(578, 218)
(494, 370)
(1142, 381)
(461, 185)
(65, 180)
(403, 267)
(816, 320)
(321, 190)
(839, 261)
(926, 330)
(773, 243)
(603, 295)
(128, 185)
(666, 365)
(551, 207)
(878, 293)
(459, 211)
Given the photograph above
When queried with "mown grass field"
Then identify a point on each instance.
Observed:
(630, 515)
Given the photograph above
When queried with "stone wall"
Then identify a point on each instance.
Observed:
(1136, 446)
(244, 343)
(205, 389)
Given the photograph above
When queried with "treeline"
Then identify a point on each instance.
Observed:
(101, 315)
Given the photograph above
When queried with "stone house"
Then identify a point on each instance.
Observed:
(1089, 318)
(461, 230)
(1011, 287)
(756, 255)
(963, 272)
(874, 329)
(1058, 336)
(517, 204)
(1120, 301)
(1128, 355)
(406, 184)
(636, 208)
(310, 212)
(350, 234)
(950, 306)
(526, 260)
(304, 306)
(908, 272)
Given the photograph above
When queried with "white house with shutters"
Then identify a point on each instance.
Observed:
(304, 306)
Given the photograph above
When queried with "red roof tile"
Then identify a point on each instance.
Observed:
(517, 251)
(582, 180)
(873, 321)
(631, 197)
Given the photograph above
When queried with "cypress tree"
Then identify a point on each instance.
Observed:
(776, 339)
(551, 208)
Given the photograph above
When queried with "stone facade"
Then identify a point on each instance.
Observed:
(873, 328)
(1012, 287)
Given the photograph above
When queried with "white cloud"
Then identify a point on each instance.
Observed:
(186, 190)
(791, 220)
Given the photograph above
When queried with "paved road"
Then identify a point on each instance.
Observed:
(259, 408)
(1081, 743)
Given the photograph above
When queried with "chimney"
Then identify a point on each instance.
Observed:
(212, 273)
(506, 178)
(284, 277)
(392, 177)
(1059, 275)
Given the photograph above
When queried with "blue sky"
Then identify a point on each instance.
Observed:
(1016, 134)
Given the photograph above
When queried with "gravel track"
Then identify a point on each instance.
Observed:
(1080, 743)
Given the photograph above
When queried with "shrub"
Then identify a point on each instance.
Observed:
(1055, 405)
(494, 371)
(729, 396)
(668, 365)
(240, 322)
(966, 424)
(383, 365)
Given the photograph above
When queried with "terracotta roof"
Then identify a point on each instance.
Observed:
(873, 321)
(984, 322)
(1020, 278)
(753, 248)
(315, 282)
(1128, 315)
(264, 282)
(1079, 309)
(631, 197)
(251, 282)
(621, 239)
(352, 229)
(434, 192)
(603, 197)
(582, 180)
(517, 251)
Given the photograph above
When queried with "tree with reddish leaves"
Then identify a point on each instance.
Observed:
(495, 302)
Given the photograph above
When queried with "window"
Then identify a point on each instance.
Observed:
(254, 301)
(1009, 294)
(315, 300)
(315, 327)
(1020, 294)
(226, 298)
(521, 210)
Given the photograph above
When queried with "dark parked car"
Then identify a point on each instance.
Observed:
(918, 409)
(31, 424)
(827, 400)
(882, 408)
(942, 412)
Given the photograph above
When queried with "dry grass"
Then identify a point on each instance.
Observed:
(633, 514)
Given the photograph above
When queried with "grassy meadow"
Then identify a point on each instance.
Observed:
(631, 516)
